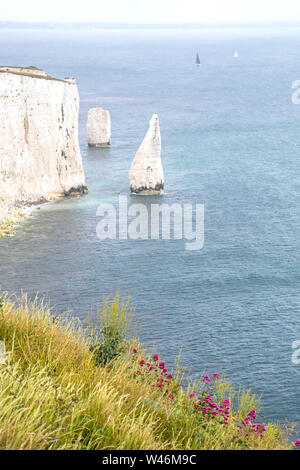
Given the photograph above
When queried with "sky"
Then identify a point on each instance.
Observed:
(152, 11)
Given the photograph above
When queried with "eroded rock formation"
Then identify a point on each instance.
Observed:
(146, 173)
(98, 127)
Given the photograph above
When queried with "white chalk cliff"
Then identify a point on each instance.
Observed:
(98, 127)
(146, 174)
(39, 150)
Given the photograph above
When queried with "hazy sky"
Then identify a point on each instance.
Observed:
(152, 11)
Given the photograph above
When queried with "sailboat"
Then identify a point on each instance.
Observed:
(198, 60)
(236, 54)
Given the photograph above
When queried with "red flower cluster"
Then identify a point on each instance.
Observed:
(207, 380)
(209, 408)
(206, 407)
(248, 427)
(159, 370)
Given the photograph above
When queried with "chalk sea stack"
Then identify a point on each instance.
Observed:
(98, 127)
(146, 174)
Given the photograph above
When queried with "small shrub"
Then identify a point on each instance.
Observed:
(109, 330)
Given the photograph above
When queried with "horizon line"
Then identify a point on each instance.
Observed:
(105, 24)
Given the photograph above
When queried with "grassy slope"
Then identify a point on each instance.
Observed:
(54, 396)
(31, 74)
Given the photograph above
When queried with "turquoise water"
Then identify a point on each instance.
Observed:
(231, 141)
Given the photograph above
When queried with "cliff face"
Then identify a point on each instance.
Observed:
(39, 150)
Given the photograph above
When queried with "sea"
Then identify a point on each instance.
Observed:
(230, 133)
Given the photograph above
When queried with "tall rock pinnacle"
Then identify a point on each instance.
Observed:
(146, 174)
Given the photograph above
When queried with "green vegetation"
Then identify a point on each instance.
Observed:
(8, 224)
(33, 75)
(65, 388)
(6, 227)
(109, 330)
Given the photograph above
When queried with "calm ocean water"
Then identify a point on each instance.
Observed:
(231, 141)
